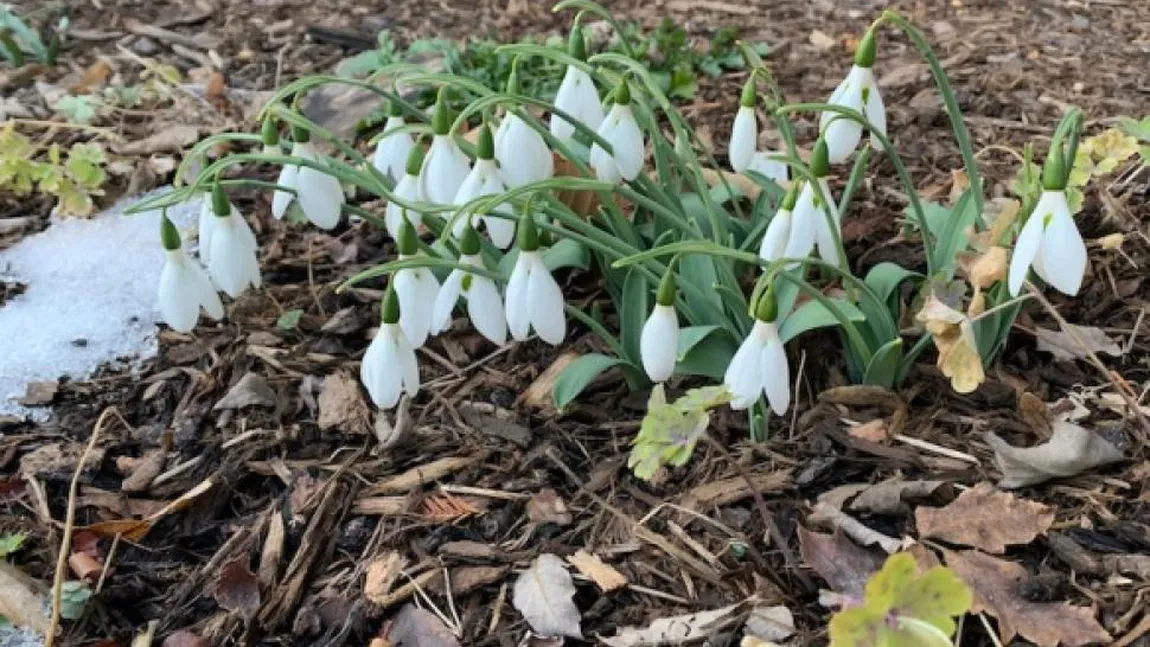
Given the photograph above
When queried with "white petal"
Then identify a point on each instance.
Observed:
(1063, 253)
(392, 150)
(281, 200)
(408, 363)
(409, 191)
(744, 139)
(414, 315)
(803, 226)
(836, 96)
(774, 169)
(627, 142)
(523, 154)
(485, 308)
(1027, 246)
(824, 235)
(659, 343)
(206, 293)
(206, 223)
(176, 295)
(518, 317)
(468, 191)
(445, 301)
(876, 115)
(379, 370)
(545, 300)
(578, 97)
(444, 170)
(776, 374)
(606, 169)
(775, 239)
(744, 374)
(842, 134)
(320, 196)
(233, 263)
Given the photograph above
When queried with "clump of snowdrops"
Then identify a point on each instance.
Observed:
(704, 281)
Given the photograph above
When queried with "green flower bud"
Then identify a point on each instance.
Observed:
(415, 159)
(441, 118)
(270, 132)
(820, 160)
(407, 241)
(513, 78)
(169, 235)
(623, 93)
(220, 205)
(469, 242)
(300, 135)
(750, 93)
(576, 45)
(485, 146)
(527, 238)
(389, 310)
(864, 55)
(394, 109)
(1054, 171)
(767, 309)
(665, 296)
(792, 195)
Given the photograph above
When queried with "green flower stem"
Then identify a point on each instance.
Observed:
(961, 134)
(300, 86)
(597, 328)
(598, 10)
(366, 215)
(428, 262)
(858, 173)
(202, 147)
(911, 355)
(896, 161)
(662, 210)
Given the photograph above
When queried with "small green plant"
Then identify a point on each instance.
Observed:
(11, 543)
(18, 40)
(72, 177)
(154, 89)
(903, 608)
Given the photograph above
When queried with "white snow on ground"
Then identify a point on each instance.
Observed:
(90, 298)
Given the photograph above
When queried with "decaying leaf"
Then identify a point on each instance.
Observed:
(419, 628)
(381, 575)
(341, 405)
(543, 594)
(983, 517)
(958, 359)
(1071, 450)
(548, 507)
(251, 390)
(771, 623)
(604, 575)
(136, 529)
(937, 317)
(891, 496)
(184, 638)
(988, 268)
(843, 564)
(996, 584)
(675, 630)
(237, 589)
(20, 602)
(1076, 342)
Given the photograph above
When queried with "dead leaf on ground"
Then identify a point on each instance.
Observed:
(145, 471)
(543, 594)
(771, 623)
(251, 390)
(843, 564)
(604, 575)
(38, 394)
(1063, 345)
(675, 630)
(381, 575)
(419, 628)
(20, 603)
(874, 431)
(184, 638)
(822, 40)
(996, 584)
(136, 529)
(891, 496)
(831, 515)
(983, 517)
(466, 579)
(172, 138)
(548, 507)
(1034, 413)
(1070, 451)
(341, 405)
(237, 589)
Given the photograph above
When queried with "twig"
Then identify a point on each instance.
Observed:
(69, 525)
(990, 630)
(1137, 632)
(1120, 387)
(765, 513)
(95, 130)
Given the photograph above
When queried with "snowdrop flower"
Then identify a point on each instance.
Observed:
(416, 288)
(484, 180)
(778, 232)
(1049, 241)
(270, 136)
(389, 367)
(319, 193)
(622, 132)
(394, 146)
(184, 286)
(534, 299)
(408, 189)
(760, 364)
(763, 163)
(445, 166)
(521, 151)
(745, 131)
(484, 305)
(857, 92)
(659, 341)
(810, 227)
(577, 94)
(231, 247)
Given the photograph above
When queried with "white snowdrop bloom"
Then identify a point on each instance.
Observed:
(857, 92)
(577, 94)
(622, 132)
(522, 153)
(810, 228)
(760, 367)
(393, 148)
(774, 243)
(204, 228)
(484, 305)
(659, 343)
(444, 170)
(281, 200)
(320, 194)
(484, 180)
(774, 169)
(231, 256)
(1051, 244)
(389, 367)
(410, 190)
(745, 131)
(270, 136)
(184, 286)
(534, 299)
(415, 287)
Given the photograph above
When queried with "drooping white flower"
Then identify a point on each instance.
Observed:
(393, 147)
(522, 153)
(484, 305)
(1051, 244)
(415, 287)
(745, 131)
(810, 226)
(281, 199)
(534, 299)
(760, 365)
(230, 248)
(410, 190)
(622, 132)
(778, 234)
(444, 170)
(319, 193)
(857, 92)
(659, 343)
(484, 180)
(184, 286)
(774, 169)
(577, 95)
(389, 367)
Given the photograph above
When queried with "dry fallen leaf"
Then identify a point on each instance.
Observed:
(821, 40)
(184, 638)
(604, 575)
(419, 628)
(996, 584)
(1070, 451)
(843, 564)
(675, 630)
(985, 518)
(341, 405)
(988, 268)
(381, 575)
(20, 603)
(891, 496)
(543, 594)
(252, 389)
(960, 361)
(548, 507)
(172, 138)
(875, 431)
(1064, 344)
(770, 623)
(237, 588)
(136, 529)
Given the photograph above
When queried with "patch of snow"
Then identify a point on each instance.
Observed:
(90, 298)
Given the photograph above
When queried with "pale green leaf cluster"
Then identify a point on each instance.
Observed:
(670, 431)
(73, 177)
